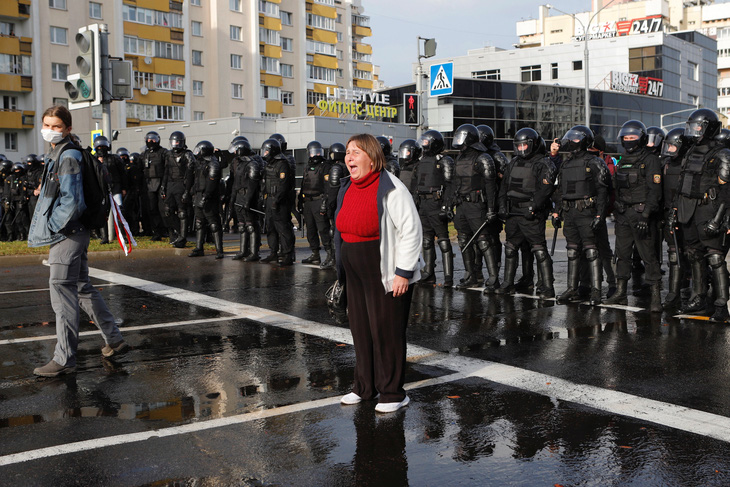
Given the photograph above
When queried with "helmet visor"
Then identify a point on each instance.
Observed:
(460, 139)
(671, 149)
(523, 147)
(316, 152)
(695, 130)
(654, 140)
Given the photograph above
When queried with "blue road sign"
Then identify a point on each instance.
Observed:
(442, 79)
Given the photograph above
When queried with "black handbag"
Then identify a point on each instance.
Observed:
(337, 301)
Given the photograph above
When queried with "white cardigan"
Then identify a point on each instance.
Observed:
(401, 233)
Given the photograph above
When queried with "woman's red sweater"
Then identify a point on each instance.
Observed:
(357, 220)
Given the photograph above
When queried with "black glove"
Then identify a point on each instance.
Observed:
(596, 223)
(162, 192)
(185, 197)
(556, 221)
(502, 214)
(712, 228)
(530, 214)
(203, 201)
(642, 228)
(491, 217)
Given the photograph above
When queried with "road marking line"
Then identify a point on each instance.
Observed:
(47, 289)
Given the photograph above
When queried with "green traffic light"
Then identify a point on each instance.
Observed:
(84, 88)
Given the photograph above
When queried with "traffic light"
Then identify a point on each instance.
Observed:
(411, 109)
(86, 88)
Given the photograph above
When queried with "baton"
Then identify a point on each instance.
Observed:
(251, 209)
(555, 240)
(471, 240)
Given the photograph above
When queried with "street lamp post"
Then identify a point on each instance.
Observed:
(585, 55)
(661, 117)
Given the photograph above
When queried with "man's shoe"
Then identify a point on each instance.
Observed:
(196, 253)
(721, 314)
(391, 407)
(112, 349)
(52, 369)
(286, 261)
(350, 399)
(272, 257)
(313, 259)
(180, 243)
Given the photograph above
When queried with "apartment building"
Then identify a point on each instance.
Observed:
(192, 60)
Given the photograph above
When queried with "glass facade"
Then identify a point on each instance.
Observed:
(551, 110)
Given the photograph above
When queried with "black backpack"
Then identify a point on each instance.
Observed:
(96, 188)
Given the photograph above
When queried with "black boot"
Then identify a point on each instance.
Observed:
(244, 245)
(545, 273)
(255, 242)
(525, 283)
(619, 297)
(218, 241)
(447, 259)
(329, 260)
(273, 257)
(286, 261)
(655, 306)
(489, 252)
(104, 234)
(181, 240)
(571, 294)
(673, 299)
(594, 265)
(313, 258)
(470, 279)
(429, 255)
(720, 286)
(199, 243)
(698, 300)
(510, 269)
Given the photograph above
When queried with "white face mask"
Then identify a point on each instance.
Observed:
(51, 136)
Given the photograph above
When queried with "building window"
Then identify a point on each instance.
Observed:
(10, 102)
(197, 58)
(143, 80)
(59, 72)
(196, 28)
(270, 116)
(340, 54)
(339, 18)
(319, 22)
(286, 18)
(270, 65)
(235, 33)
(94, 10)
(169, 82)
(197, 88)
(270, 93)
(319, 73)
(11, 141)
(339, 37)
(577, 65)
(236, 90)
(7, 28)
(554, 71)
(140, 47)
(531, 73)
(165, 112)
(270, 37)
(487, 74)
(236, 61)
(269, 9)
(287, 97)
(287, 70)
(59, 35)
(236, 114)
(693, 99)
(693, 71)
(62, 102)
(59, 4)
(168, 50)
(313, 97)
(340, 73)
(195, 3)
(318, 47)
(360, 74)
(198, 115)
(235, 5)
(287, 44)
(12, 64)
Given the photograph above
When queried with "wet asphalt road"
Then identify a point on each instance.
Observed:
(236, 370)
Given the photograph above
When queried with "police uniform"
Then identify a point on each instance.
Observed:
(202, 182)
(246, 175)
(17, 219)
(672, 171)
(175, 196)
(153, 163)
(278, 185)
(134, 176)
(311, 194)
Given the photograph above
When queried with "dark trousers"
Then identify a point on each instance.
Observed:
(433, 225)
(318, 226)
(151, 214)
(377, 322)
(626, 238)
(280, 230)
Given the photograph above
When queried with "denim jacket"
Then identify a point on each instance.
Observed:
(61, 201)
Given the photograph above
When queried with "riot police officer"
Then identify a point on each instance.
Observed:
(134, 175)
(475, 183)
(311, 194)
(581, 198)
(654, 139)
(391, 160)
(408, 154)
(638, 196)
(524, 204)
(117, 180)
(338, 171)
(34, 175)
(278, 184)
(433, 179)
(202, 181)
(291, 199)
(247, 173)
(702, 204)
(673, 151)
(153, 162)
(173, 188)
(17, 220)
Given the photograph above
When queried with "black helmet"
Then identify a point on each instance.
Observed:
(408, 152)
(3, 158)
(6, 166)
(152, 140)
(234, 143)
(123, 152)
(674, 142)
(32, 161)
(530, 139)
(315, 151)
(337, 152)
(270, 149)
(702, 124)
(135, 158)
(177, 141)
(580, 133)
(19, 168)
(633, 127)
(240, 147)
(102, 145)
(465, 136)
(654, 137)
(281, 139)
(203, 149)
(723, 138)
(385, 145)
(486, 135)
(431, 142)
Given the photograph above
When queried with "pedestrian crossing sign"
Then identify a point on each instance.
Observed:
(442, 79)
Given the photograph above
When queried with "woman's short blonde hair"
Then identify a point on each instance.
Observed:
(371, 147)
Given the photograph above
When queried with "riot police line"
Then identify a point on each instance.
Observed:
(664, 186)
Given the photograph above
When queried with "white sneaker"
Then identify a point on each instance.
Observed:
(391, 407)
(350, 399)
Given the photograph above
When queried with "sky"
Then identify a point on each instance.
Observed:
(457, 26)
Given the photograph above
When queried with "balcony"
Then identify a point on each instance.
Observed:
(16, 83)
(16, 119)
(15, 9)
